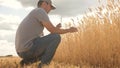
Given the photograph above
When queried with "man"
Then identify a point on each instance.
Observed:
(30, 43)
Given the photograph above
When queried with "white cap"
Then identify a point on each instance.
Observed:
(50, 2)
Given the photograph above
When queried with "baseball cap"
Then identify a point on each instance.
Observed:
(49, 2)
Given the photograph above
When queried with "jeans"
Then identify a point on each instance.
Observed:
(43, 49)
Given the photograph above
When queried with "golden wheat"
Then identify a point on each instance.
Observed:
(98, 41)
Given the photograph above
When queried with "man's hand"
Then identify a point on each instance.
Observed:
(58, 28)
(72, 29)
(58, 25)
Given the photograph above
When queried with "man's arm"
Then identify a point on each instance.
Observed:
(56, 29)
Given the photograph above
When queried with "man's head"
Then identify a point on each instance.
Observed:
(49, 2)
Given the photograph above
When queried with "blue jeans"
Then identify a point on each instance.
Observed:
(43, 49)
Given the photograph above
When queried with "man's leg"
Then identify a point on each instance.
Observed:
(28, 58)
(43, 49)
(47, 45)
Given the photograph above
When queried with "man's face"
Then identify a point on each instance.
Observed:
(49, 7)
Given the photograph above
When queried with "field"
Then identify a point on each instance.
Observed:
(13, 62)
(95, 45)
(98, 41)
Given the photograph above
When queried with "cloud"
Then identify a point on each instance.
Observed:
(73, 7)
(28, 3)
(7, 48)
(11, 4)
(8, 26)
(7, 35)
(66, 7)
(9, 22)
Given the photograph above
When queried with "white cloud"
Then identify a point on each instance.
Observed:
(9, 22)
(11, 4)
(7, 48)
(28, 3)
(7, 35)
(8, 26)
(66, 7)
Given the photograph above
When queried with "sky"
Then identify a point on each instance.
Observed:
(12, 12)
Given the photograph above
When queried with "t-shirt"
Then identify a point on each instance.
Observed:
(30, 28)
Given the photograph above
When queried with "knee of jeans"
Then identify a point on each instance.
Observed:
(57, 37)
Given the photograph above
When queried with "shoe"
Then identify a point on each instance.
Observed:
(23, 63)
(40, 65)
(43, 65)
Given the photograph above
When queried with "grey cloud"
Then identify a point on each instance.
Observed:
(8, 37)
(28, 3)
(9, 31)
(4, 26)
(66, 7)
(73, 7)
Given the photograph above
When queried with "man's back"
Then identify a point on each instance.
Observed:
(30, 28)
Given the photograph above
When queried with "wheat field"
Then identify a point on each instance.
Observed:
(98, 41)
(13, 62)
(95, 45)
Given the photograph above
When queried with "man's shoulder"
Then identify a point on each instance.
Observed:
(37, 11)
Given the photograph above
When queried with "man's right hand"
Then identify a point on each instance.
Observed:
(53, 29)
(73, 29)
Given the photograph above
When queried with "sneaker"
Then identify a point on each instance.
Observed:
(43, 66)
(23, 63)
(40, 65)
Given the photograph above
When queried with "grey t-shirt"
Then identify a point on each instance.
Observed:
(30, 28)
